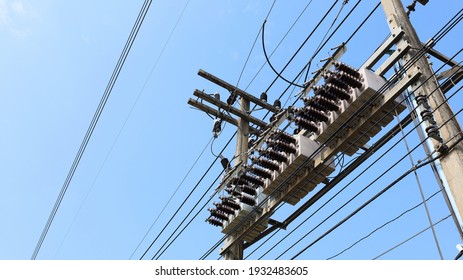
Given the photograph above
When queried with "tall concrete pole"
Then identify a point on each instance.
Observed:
(452, 162)
(242, 137)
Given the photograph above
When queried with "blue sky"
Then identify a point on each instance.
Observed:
(56, 60)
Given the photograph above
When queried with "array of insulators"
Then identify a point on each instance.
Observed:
(311, 114)
(327, 97)
(247, 199)
(218, 214)
(321, 103)
(341, 66)
(244, 188)
(280, 146)
(272, 154)
(253, 179)
(332, 92)
(261, 172)
(230, 202)
(265, 163)
(236, 190)
(224, 208)
(283, 136)
(305, 124)
(214, 221)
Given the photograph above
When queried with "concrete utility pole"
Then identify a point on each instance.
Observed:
(236, 251)
(452, 162)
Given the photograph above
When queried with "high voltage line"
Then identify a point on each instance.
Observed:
(91, 128)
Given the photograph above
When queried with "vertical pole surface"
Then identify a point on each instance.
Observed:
(427, 85)
(236, 251)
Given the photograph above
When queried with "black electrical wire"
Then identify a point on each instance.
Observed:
(279, 43)
(233, 94)
(376, 196)
(162, 249)
(184, 201)
(124, 124)
(301, 46)
(412, 237)
(363, 22)
(383, 225)
(267, 59)
(91, 128)
(319, 47)
(170, 199)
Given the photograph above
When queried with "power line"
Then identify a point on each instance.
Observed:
(161, 250)
(279, 43)
(91, 128)
(420, 187)
(412, 237)
(182, 204)
(300, 47)
(170, 199)
(123, 127)
(382, 226)
(376, 196)
(254, 44)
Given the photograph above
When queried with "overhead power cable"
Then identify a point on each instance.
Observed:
(181, 205)
(279, 44)
(91, 128)
(376, 196)
(121, 129)
(412, 237)
(297, 51)
(170, 199)
(382, 226)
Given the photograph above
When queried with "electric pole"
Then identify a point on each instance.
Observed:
(242, 138)
(428, 88)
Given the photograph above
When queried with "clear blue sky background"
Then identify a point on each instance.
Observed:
(55, 61)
